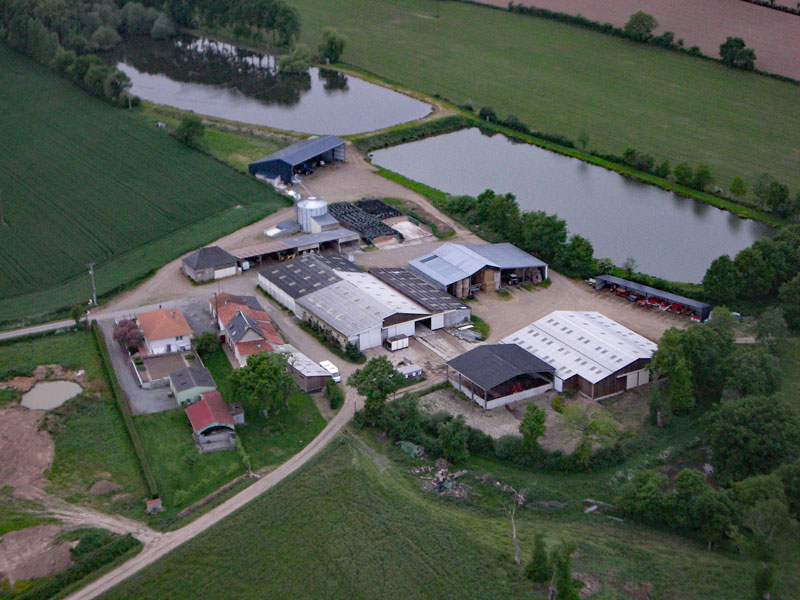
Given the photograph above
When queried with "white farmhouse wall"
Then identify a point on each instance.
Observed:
(166, 345)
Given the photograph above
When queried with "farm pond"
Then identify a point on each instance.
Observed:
(220, 80)
(668, 235)
(47, 395)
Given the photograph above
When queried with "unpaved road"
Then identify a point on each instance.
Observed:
(165, 543)
(771, 33)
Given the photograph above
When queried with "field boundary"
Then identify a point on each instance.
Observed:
(122, 405)
(420, 131)
(610, 30)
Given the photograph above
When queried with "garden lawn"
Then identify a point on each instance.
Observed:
(354, 524)
(562, 79)
(85, 182)
(185, 476)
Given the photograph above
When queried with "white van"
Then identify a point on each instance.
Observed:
(331, 368)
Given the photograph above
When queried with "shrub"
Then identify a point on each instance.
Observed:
(557, 404)
(509, 447)
(334, 393)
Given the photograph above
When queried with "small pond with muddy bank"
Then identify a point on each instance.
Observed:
(224, 81)
(47, 395)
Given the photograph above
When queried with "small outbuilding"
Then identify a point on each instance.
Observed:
(213, 425)
(309, 375)
(304, 154)
(410, 371)
(188, 384)
(208, 264)
(494, 375)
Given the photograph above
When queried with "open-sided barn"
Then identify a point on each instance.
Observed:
(590, 352)
(286, 162)
(463, 270)
(497, 374)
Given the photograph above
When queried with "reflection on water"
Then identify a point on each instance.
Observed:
(670, 236)
(224, 81)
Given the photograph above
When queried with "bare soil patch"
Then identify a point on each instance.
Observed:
(103, 487)
(30, 553)
(25, 451)
(496, 423)
(705, 23)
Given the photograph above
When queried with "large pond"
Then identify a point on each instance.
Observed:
(220, 80)
(669, 236)
(47, 395)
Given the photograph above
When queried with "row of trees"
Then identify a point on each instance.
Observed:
(497, 217)
(765, 273)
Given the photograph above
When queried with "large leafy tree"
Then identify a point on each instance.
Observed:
(640, 26)
(789, 297)
(589, 426)
(332, 45)
(735, 53)
(707, 349)
(754, 371)
(376, 381)
(751, 436)
(670, 361)
(719, 282)
(264, 384)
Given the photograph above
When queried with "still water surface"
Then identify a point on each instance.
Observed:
(47, 395)
(220, 80)
(669, 236)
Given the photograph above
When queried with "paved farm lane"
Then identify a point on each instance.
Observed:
(13, 333)
(165, 543)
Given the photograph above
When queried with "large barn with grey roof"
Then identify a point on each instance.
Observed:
(287, 161)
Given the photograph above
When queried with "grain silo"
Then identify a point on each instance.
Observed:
(308, 209)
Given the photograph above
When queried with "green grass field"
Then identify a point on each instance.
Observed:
(73, 350)
(566, 80)
(355, 525)
(84, 182)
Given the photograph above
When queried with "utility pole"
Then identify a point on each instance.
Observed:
(94, 290)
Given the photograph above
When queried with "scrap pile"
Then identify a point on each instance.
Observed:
(355, 219)
(442, 481)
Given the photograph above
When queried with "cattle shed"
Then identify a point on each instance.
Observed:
(462, 270)
(494, 375)
(285, 162)
(337, 240)
(664, 300)
(589, 352)
(292, 279)
(208, 264)
(446, 311)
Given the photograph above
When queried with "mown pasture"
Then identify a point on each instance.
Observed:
(561, 79)
(84, 182)
(355, 525)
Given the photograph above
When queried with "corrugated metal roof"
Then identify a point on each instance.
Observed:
(290, 243)
(346, 308)
(302, 363)
(304, 150)
(651, 291)
(453, 262)
(587, 344)
(419, 290)
(211, 256)
(490, 365)
(300, 276)
(191, 377)
(383, 293)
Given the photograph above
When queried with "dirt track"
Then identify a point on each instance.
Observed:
(772, 34)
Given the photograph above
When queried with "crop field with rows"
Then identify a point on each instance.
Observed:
(83, 182)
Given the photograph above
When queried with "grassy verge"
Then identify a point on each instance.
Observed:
(72, 350)
(480, 326)
(561, 79)
(357, 519)
(323, 338)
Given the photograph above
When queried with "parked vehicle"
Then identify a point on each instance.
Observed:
(332, 369)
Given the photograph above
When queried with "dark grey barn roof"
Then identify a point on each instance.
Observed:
(300, 276)
(304, 150)
(240, 324)
(211, 256)
(339, 263)
(418, 289)
(651, 291)
(490, 365)
(190, 377)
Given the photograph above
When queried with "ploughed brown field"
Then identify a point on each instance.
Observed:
(774, 35)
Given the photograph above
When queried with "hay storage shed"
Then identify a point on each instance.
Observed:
(208, 264)
(285, 162)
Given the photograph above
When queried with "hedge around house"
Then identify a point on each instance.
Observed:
(122, 405)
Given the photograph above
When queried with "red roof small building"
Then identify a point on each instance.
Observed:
(153, 506)
(208, 413)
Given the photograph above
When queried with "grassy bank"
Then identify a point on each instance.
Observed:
(358, 521)
(85, 182)
(562, 79)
